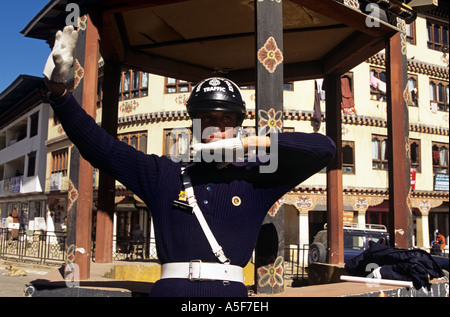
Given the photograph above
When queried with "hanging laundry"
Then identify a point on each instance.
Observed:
(317, 97)
(377, 83)
(381, 86)
(348, 104)
(373, 81)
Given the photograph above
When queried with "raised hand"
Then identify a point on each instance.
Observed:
(61, 58)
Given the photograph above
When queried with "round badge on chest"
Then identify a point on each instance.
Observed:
(236, 200)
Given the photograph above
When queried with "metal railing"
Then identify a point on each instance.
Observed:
(50, 247)
(127, 249)
(40, 247)
(296, 261)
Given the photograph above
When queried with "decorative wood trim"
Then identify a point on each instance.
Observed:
(414, 67)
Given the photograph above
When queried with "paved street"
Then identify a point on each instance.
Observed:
(13, 286)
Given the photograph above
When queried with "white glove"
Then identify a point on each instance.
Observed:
(61, 58)
(224, 144)
(227, 147)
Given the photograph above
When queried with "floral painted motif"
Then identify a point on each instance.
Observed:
(352, 3)
(401, 24)
(270, 55)
(304, 203)
(349, 110)
(129, 106)
(424, 206)
(181, 100)
(361, 204)
(271, 274)
(82, 23)
(72, 195)
(270, 121)
(79, 73)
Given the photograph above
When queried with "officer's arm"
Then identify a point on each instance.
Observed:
(253, 142)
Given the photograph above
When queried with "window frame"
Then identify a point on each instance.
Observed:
(346, 166)
(417, 164)
(383, 163)
(34, 124)
(414, 95)
(168, 142)
(178, 85)
(439, 44)
(437, 168)
(60, 161)
(380, 95)
(31, 169)
(411, 36)
(434, 94)
(132, 91)
(139, 136)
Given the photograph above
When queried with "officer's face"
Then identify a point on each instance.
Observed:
(216, 121)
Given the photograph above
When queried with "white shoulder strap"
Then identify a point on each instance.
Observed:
(216, 248)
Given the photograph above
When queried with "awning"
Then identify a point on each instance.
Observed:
(193, 39)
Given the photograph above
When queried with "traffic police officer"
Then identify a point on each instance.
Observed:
(206, 215)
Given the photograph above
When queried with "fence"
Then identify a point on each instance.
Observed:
(296, 261)
(126, 249)
(40, 247)
(49, 247)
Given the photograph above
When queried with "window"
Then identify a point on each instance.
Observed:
(440, 157)
(60, 162)
(377, 84)
(379, 152)
(348, 157)
(138, 140)
(174, 86)
(176, 143)
(134, 84)
(34, 121)
(31, 164)
(412, 91)
(414, 152)
(288, 86)
(411, 33)
(439, 95)
(437, 35)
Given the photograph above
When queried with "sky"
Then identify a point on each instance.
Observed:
(20, 55)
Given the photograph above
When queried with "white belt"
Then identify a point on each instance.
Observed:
(197, 270)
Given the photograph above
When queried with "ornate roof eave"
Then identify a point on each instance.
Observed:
(414, 66)
(361, 191)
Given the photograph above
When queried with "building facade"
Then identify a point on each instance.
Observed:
(23, 131)
(153, 119)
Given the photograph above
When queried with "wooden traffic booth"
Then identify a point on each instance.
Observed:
(256, 42)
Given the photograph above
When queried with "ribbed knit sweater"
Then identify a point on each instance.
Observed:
(157, 181)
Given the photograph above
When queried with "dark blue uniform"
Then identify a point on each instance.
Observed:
(157, 181)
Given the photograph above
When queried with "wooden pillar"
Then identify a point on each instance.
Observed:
(335, 191)
(400, 215)
(79, 213)
(107, 184)
(269, 112)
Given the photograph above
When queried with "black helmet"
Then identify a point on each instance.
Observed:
(216, 94)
